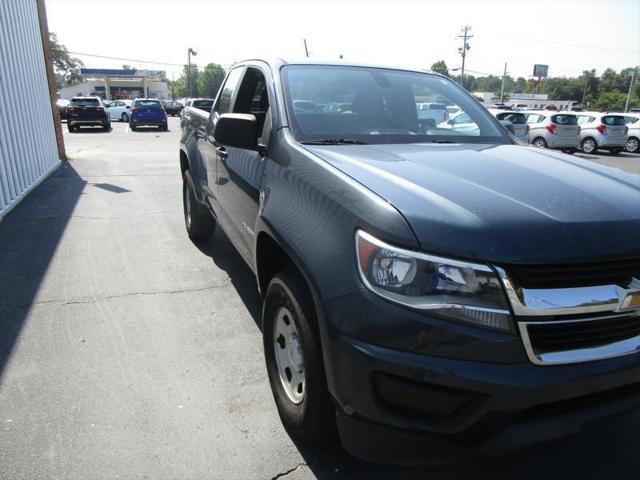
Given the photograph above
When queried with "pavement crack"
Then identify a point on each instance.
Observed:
(291, 470)
(134, 294)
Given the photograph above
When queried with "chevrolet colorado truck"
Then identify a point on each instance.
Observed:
(427, 292)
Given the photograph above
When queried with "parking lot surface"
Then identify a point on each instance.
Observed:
(126, 351)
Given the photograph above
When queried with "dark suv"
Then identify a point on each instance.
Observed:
(87, 112)
(431, 291)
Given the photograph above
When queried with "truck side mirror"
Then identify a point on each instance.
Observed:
(508, 126)
(238, 130)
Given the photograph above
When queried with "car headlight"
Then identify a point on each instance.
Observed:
(463, 291)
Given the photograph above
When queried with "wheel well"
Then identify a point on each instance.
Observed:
(270, 259)
(184, 162)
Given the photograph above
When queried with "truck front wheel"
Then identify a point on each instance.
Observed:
(198, 221)
(294, 358)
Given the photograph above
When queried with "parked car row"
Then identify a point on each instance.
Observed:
(92, 112)
(564, 130)
(587, 131)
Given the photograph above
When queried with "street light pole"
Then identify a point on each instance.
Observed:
(190, 52)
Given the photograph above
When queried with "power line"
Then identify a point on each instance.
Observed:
(120, 58)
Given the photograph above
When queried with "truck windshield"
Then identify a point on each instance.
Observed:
(374, 105)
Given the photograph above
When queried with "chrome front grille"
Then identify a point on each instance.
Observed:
(581, 340)
(562, 324)
(613, 272)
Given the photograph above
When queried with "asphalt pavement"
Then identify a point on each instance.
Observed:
(128, 352)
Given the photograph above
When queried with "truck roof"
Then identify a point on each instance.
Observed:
(278, 62)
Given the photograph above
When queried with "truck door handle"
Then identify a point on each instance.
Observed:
(222, 152)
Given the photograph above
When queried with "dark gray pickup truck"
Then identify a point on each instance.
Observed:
(427, 292)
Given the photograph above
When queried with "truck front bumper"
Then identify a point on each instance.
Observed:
(431, 390)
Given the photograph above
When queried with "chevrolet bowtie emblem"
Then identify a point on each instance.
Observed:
(629, 298)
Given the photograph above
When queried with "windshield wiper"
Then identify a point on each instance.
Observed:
(440, 140)
(334, 141)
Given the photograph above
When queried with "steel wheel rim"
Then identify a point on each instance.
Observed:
(539, 143)
(289, 355)
(588, 146)
(187, 206)
(632, 145)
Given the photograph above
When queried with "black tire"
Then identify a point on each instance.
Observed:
(313, 418)
(539, 142)
(164, 127)
(72, 128)
(633, 145)
(589, 145)
(107, 127)
(124, 118)
(132, 127)
(198, 221)
(616, 150)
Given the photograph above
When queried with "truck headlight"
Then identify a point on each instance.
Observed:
(463, 291)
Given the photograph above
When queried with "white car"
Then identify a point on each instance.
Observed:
(437, 112)
(602, 130)
(633, 124)
(550, 129)
(517, 119)
(119, 110)
(461, 121)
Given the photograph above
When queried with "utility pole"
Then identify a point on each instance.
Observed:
(173, 95)
(634, 74)
(463, 50)
(586, 84)
(190, 52)
(306, 50)
(502, 87)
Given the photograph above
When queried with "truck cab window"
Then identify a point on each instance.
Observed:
(253, 97)
(224, 103)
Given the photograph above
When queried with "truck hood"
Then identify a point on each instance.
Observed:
(500, 203)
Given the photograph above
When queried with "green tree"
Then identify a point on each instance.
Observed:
(440, 67)
(210, 79)
(66, 67)
(611, 101)
(520, 85)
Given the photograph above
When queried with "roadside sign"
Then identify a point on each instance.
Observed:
(540, 70)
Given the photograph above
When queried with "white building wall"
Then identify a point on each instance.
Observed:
(28, 150)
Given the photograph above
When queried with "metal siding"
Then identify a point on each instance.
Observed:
(28, 150)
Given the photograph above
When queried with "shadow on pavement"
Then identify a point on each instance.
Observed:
(29, 237)
(226, 257)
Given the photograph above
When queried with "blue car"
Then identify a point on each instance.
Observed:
(147, 112)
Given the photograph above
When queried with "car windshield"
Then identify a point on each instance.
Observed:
(85, 102)
(148, 103)
(515, 118)
(374, 105)
(613, 120)
(203, 103)
(564, 119)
